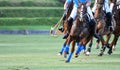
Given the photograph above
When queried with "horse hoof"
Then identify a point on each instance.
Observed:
(109, 52)
(101, 54)
(97, 47)
(76, 55)
(87, 53)
(67, 61)
(59, 53)
(113, 48)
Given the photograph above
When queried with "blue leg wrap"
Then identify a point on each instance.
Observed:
(78, 44)
(80, 48)
(62, 49)
(84, 48)
(67, 48)
(69, 57)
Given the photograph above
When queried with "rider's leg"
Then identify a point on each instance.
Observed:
(108, 14)
(92, 21)
(109, 19)
(111, 6)
(70, 21)
(94, 7)
(63, 20)
(69, 25)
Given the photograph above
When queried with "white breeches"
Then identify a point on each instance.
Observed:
(74, 13)
(106, 6)
(90, 12)
(112, 5)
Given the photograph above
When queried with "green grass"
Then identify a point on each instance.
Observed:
(39, 27)
(31, 11)
(39, 52)
(15, 3)
(29, 21)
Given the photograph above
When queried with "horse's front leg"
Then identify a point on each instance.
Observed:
(107, 44)
(63, 48)
(72, 51)
(89, 47)
(66, 51)
(103, 47)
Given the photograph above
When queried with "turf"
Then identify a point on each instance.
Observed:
(39, 52)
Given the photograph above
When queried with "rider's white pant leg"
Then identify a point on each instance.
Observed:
(94, 6)
(74, 13)
(106, 6)
(90, 12)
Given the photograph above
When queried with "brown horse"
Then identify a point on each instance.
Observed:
(65, 24)
(102, 26)
(116, 33)
(66, 16)
(80, 32)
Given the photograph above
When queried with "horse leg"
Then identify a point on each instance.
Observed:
(103, 47)
(82, 45)
(113, 44)
(72, 51)
(69, 39)
(107, 40)
(89, 48)
(107, 44)
(62, 49)
(79, 49)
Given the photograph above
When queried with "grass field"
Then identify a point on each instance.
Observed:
(39, 52)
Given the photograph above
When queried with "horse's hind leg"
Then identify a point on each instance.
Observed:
(89, 48)
(113, 44)
(72, 51)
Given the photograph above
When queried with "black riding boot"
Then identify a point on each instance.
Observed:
(109, 19)
(93, 22)
(64, 18)
(69, 22)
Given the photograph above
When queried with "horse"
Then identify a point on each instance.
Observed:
(116, 33)
(102, 27)
(80, 32)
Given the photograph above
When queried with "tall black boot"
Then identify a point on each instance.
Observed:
(69, 22)
(109, 19)
(63, 20)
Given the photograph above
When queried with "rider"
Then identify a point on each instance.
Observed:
(107, 11)
(112, 4)
(73, 14)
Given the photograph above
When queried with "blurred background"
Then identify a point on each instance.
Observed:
(29, 14)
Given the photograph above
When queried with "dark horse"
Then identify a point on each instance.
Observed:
(102, 26)
(116, 33)
(80, 32)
